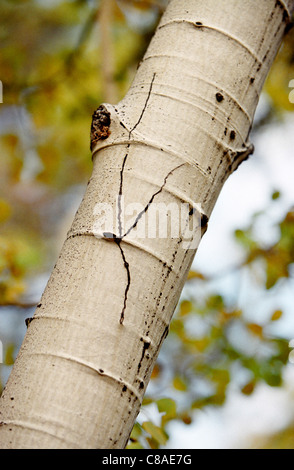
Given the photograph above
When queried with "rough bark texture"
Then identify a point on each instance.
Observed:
(183, 127)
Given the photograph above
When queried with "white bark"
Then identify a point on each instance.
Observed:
(182, 128)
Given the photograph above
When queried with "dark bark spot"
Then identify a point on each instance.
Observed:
(289, 27)
(28, 321)
(219, 97)
(204, 220)
(232, 135)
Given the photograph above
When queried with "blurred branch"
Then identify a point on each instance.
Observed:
(84, 35)
(106, 50)
(56, 77)
(18, 304)
(146, 4)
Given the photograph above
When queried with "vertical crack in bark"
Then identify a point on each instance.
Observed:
(145, 106)
(120, 191)
(127, 267)
(120, 237)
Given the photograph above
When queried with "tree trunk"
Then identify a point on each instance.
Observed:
(182, 128)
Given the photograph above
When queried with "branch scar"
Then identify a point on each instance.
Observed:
(100, 125)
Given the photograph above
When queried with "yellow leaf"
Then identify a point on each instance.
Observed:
(276, 315)
(5, 210)
(179, 384)
(156, 371)
(186, 418)
(202, 344)
(185, 307)
(195, 275)
(248, 388)
(255, 329)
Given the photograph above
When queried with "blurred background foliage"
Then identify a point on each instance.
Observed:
(59, 60)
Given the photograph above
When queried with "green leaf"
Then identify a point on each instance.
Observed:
(155, 432)
(9, 355)
(276, 195)
(167, 406)
(135, 445)
(179, 384)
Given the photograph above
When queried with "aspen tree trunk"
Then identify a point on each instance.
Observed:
(182, 128)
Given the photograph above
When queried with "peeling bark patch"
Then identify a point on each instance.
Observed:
(100, 125)
(242, 156)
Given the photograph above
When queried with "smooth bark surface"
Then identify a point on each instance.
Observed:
(182, 128)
